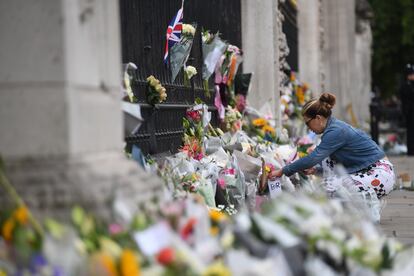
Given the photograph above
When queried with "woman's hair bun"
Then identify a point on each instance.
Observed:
(328, 100)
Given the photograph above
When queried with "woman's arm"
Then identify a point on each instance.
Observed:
(331, 141)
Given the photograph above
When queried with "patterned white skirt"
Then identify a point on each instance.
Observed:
(379, 177)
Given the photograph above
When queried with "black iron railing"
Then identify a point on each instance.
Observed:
(143, 27)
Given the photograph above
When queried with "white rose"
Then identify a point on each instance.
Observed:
(188, 29)
(190, 71)
(158, 88)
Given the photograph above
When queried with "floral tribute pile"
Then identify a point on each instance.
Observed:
(294, 95)
(219, 214)
(297, 234)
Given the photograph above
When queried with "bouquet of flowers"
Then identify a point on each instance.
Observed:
(213, 48)
(232, 119)
(180, 52)
(192, 147)
(156, 93)
(294, 95)
(188, 31)
(304, 146)
(230, 62)
(189, 72)
(261, 127)
(126, 82)
(194, 127)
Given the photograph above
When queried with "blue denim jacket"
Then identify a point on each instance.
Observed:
(349, 146)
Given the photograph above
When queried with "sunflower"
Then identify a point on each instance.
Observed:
(259, 122)
(217, 216)
(269, 129)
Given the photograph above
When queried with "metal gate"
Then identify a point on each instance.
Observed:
(143, 28)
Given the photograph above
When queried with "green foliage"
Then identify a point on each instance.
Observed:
(393, 45)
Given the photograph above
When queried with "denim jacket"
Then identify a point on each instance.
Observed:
(349, 146)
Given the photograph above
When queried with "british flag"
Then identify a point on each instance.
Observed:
(173, 32)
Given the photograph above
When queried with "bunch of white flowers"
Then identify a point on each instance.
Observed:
(188, 30)
(156, 86)
(190, 71)
(207, 37)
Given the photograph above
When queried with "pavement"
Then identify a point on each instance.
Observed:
(397, 217)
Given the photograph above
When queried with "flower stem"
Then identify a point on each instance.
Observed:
(206, 88)
(18, 200)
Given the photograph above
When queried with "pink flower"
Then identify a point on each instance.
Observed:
(221, 183)
(198, 156)
(305, 140)
(115, 229)
(231, 171)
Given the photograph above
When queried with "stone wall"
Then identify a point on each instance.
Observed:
(60, 109)
(261, 51)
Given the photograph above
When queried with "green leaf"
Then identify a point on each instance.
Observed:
(87, 227)
(139, 222)
(55, 229)
(78, 215)
(198, 101)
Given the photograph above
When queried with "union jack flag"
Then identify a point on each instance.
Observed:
(173, 32)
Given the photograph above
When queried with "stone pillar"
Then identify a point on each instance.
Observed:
(338, 54)
(363, 50)
(260, 46)
(60, 110)
(309, 43)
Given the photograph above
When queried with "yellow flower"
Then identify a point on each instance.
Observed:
(195, 177)
(158, 88)
(2, 273)
(268, 128)
(153, 81)
(292, 77)
(217, 269)
(108, 264)
(300, 95)
(163, 97)
(217, 216)
(302, 154)
(129, 263)
(214, 230)
(7, 230)
(259, 122)
(21, 214)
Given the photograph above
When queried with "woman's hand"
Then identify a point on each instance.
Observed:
(310, 171)
(274, 174)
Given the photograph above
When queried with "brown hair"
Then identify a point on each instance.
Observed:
(322, 106)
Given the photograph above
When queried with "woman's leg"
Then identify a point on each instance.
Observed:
(379, 176)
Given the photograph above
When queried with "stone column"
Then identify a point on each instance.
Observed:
(363, 51)
(60, 110)
(260, 46)
(309, 43)
(338, 54)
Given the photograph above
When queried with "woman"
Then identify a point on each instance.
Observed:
(362, 158)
